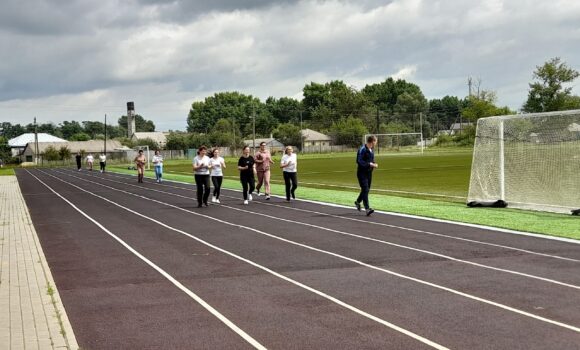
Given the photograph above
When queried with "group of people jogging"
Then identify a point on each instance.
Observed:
(90, 159)
(209, 167)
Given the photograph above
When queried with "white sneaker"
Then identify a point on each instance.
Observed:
(267, 197)
(260, 194)
(250, 197)
(213, 199)
(217, 201)
(246, 202)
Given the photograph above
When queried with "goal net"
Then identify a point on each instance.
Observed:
(530, 161)
(398, 142)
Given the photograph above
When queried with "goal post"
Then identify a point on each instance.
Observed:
(407, 142)
(527, 161)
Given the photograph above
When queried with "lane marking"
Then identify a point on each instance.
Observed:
(434, 285)
(447, 257)
(288, 279)
(401, 227)
(170, 278)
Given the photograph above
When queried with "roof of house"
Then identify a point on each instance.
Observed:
(22, 140)
(459, 126)
(270, 142)
(311, 135)
(93, 146)
(157, 136)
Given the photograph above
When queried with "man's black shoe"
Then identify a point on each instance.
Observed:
(357, 205)
(370, 211)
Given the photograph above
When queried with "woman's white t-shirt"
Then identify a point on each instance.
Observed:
(90, 159)
(158, 160)
(203, 161)
(216, 165)
(292, 167)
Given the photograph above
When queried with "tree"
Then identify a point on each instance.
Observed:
(285, 109)
(5, 154)
(288, 134)
(10, 131)
(68, 129)
(64, 153)
(177, 141)
(229, 105)
(549, 93)
(348, 131)
(50, 154)
(483, 106)
(81, 136)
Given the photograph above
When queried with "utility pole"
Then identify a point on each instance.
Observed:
(301, 135)
(254, 127)
(378, 130)
(35, 143)
(105, 144)
(469, 84)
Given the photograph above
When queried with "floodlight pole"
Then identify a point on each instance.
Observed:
(105, 144)
(501, 161)
(35, 143)
(301, 135)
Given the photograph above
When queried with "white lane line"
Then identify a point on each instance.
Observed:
(322, 294)
(361, 237)
(434, 285)
(402, 227)
(175, 282)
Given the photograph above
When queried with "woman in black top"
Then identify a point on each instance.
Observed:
(246, 168)
(78, 158)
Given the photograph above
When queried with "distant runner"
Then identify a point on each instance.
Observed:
(289, 167)
(217, 164)
(246, 168)
(263, 161)
(365, 160)
(140, 162)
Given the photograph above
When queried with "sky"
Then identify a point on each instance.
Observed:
(79, 60)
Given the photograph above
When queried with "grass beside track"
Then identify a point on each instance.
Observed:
(6, 171)
(520, 220)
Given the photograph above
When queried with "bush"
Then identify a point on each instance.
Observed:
(50, 154)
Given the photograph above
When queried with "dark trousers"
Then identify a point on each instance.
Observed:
(78, 164)
(248, 185)
(202, 183)
(364, 180)
(217, 185)
(290, 178)
(102, 164)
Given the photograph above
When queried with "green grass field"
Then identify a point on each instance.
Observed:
(5, 171)
(433, 185)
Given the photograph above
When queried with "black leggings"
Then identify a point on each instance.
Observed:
(290, 177)
(102, 164)
(217, 185)
(248, 185)
(365, 180)
(202, 183)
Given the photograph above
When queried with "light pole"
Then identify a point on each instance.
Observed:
(35, 143)
(301, 135)
(254, 127)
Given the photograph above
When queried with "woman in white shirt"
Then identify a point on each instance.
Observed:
(90, 160)
(201, 170)
(216, 164)
(102, 162)
(158, 164)
(289, 168)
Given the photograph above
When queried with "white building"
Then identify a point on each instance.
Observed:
(18, 144)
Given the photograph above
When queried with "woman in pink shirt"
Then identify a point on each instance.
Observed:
(263, 161)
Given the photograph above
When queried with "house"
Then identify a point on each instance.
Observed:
(457, 128)
(93, 146)
(271, 144)
(18, 144)
(314, 138)
(159, 137)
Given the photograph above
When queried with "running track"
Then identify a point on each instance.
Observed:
(140, 266)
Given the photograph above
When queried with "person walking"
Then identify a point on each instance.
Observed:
(217, 164)
(140, 162)
(201, 171)
(158, 165)
(102, 162)
(365, 159)
(90, 161)
(246, 168)
(289, 165)
(263, 160)
(79, 159)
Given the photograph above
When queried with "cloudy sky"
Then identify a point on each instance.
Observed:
(77, 60)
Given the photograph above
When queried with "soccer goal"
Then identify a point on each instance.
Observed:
(410, 142)
(528, 161)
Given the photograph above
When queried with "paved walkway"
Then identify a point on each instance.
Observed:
(31, 313)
